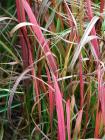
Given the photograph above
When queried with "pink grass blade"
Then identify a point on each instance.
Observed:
(71, 18)
(97, 124)
(51, 97)
(102, 100)
(100, 112)
(81, 82)
(21, 17)
(68, 118)
(78, 124)
(59, 108)
(93, 31)
(26, 49)
(98, 115)
(40, 37)
(102, 5)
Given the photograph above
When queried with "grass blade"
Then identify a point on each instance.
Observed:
(51, 98)
(59, 108)
(93, 31)
(26, 49)
(78, 125)
(83, 41)
(68, 118)
(40, 37)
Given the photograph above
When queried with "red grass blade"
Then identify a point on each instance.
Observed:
(21, 17)
(81, 82)
(102, 5)
(59, 108)
(26, 48)
(40, 37)
(97, 125)
(98, 114)
(78, 124)
(93, 32)
(51, 97)
(68, 118)
(71, 18)
(102, 101)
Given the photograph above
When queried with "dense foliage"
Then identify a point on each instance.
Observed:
(52, 77)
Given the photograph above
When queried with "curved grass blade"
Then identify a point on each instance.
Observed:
(12, 92)
(27, 50)
(93, 31)
(59, 108)
(5, 18)
(20, 25)
(83, 41)
(78, 125)
(40, 37)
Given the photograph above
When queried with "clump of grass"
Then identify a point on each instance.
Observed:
(52, 70)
